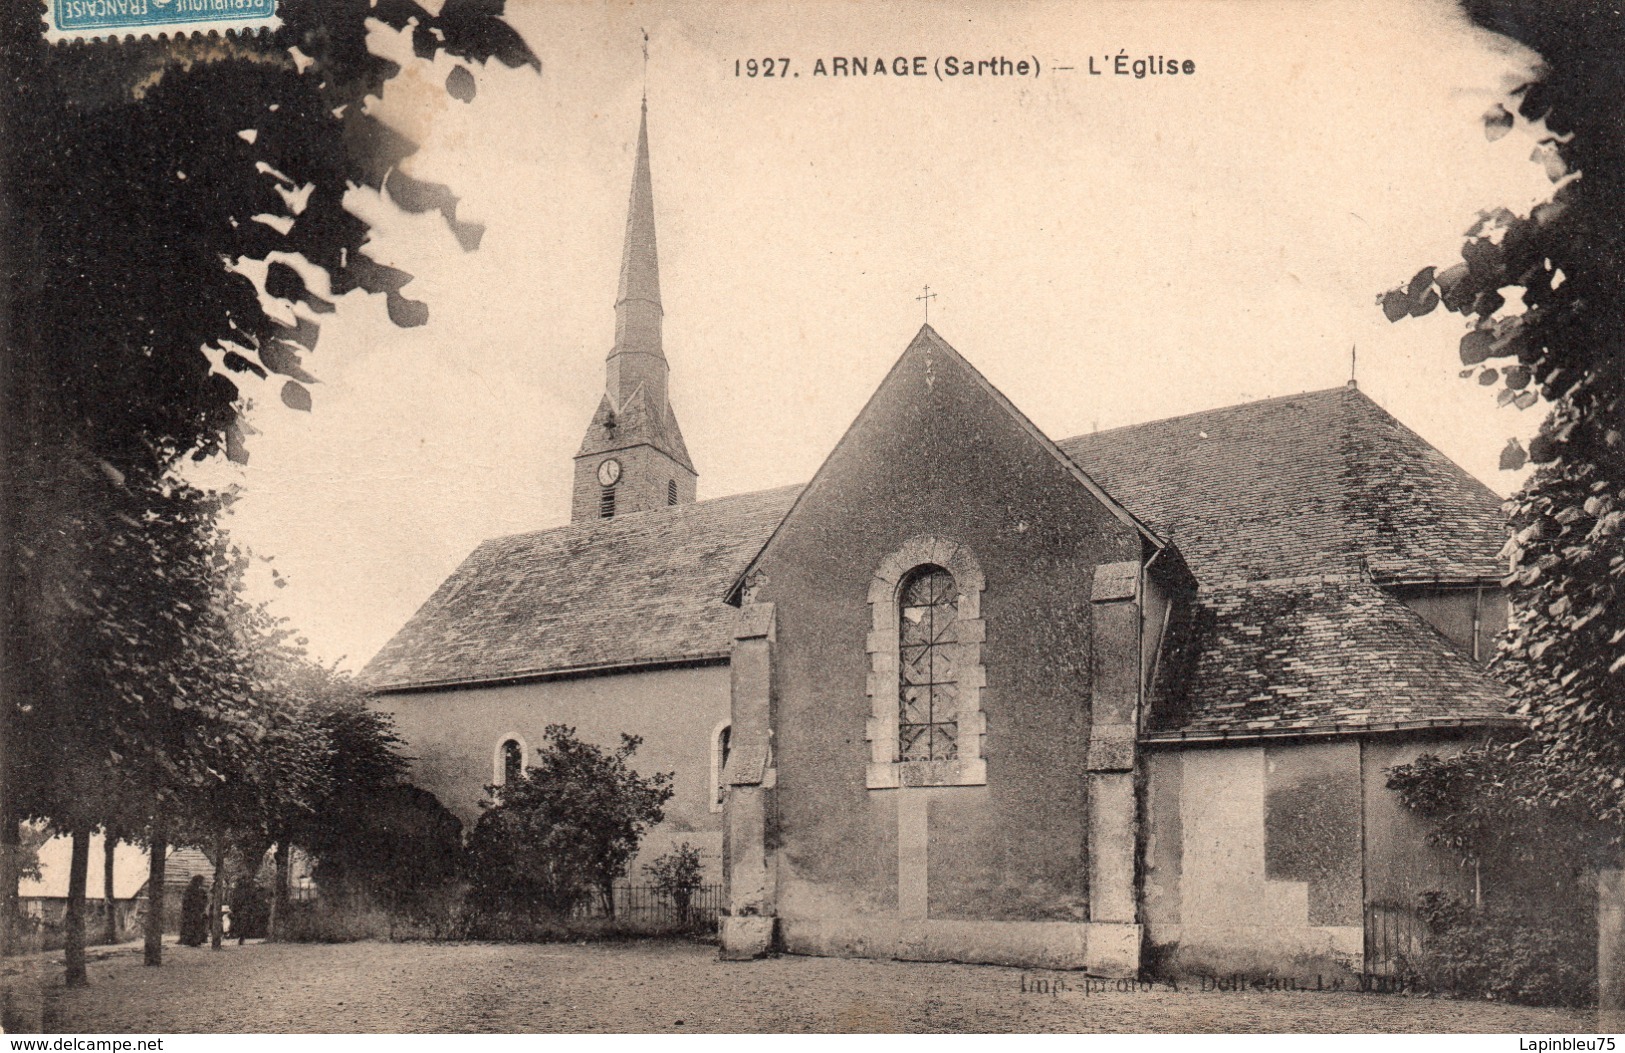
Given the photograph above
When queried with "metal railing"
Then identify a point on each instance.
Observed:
(647, 905)
(1394, 935)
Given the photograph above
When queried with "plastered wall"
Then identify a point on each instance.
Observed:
(452, 736)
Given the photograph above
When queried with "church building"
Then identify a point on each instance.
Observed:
(1122, 702)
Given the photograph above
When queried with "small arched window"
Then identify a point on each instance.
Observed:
(671, 491)
(606, 503)
(928, 690)
(721, 740)
(510, 760)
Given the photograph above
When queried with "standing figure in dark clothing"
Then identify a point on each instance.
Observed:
(195, 913)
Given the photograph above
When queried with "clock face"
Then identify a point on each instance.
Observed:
(609, 473)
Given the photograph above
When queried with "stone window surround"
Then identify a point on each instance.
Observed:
(498, 769)
(718, 764)
(885, 771)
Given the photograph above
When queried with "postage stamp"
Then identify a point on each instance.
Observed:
(92, 19)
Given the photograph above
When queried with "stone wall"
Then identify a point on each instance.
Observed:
(959, 863)
(646, 475)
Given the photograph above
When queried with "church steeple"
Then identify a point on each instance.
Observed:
(638, 357)
(633, 457)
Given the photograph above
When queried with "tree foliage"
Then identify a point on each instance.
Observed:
(174, 221)
(391, 847)
(1544, 297)
(567, 827)
(1507, 953)
(677, 875)
(372, 834)
(158, 167)
(1502, 805)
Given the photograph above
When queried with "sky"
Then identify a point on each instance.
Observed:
(1106, 249)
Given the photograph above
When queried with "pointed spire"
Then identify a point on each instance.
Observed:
(637, 304)
(635, 426)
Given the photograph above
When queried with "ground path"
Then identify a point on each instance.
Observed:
(672, 986)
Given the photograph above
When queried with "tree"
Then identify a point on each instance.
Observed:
(1560, 337)
(1528, 934)
(568, 826)
(124, 316)
(1544, 296)
(126, 688)
(372, 834)
(1495, 805)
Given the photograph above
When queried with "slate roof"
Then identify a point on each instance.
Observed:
(182, 865)
(1257, 498)
(641, 589)
(1297, 657)
(1320, 483)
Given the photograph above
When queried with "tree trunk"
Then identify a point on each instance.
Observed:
(159, 849)
(1610, 949)
(279, 890)
(11, 849)
(73, 923)
(110, 928)
(217, 893)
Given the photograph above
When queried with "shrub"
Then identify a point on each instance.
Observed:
(564, 829)
(402, 847)
(677, 875)
(324, 921)
(250, 910)
(1507, 955)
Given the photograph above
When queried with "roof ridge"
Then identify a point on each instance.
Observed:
(1341, 388)
(926, 340)
(646, 515)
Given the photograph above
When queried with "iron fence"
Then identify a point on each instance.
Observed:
(647, 905)
(1394, 935)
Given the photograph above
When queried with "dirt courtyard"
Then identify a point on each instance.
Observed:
(671, 986)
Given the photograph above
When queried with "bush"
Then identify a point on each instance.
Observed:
(250, 910)
(323, 921)
(355, 919)
(1506, 955)
(403, 846)
(564, 829)
(677, 875)
(448, 917)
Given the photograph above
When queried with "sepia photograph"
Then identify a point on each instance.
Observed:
(749, 516)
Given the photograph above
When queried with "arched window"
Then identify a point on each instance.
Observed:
(606, 502)
(928, 694)
(508, 763)
(671, 491)
(926, 726)
(721, 737)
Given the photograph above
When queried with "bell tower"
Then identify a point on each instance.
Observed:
(633, 457)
